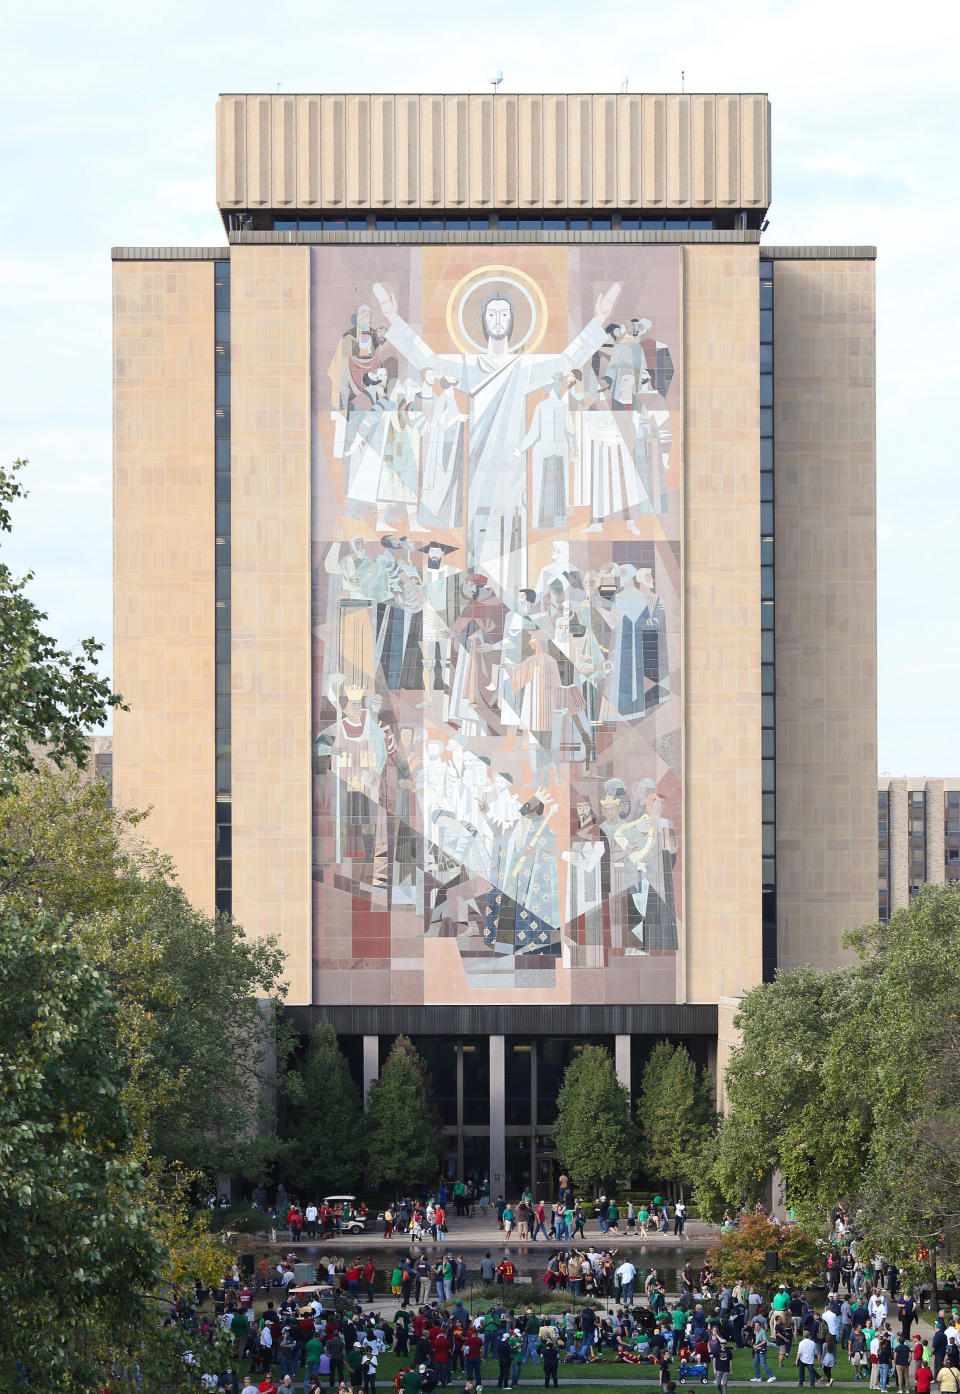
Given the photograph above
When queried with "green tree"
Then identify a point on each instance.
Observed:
(795, 1090)
(197, 1020)
(74, 1220)
(50, 697)
(594, 1135)
(676, 1115)
(909, 1194)
(326, 1152)
(844, 1081)
(404, 1143)
(740, 1255)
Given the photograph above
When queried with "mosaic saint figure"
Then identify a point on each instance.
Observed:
(497, 384)
(523, 906)
(441, 502)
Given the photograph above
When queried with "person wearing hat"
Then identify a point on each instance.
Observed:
(722, 1363)
(354, 1363)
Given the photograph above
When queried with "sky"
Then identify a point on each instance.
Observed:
(107, 138)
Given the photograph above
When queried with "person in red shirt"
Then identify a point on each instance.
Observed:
(353, 1277)
(924, 1377)
(369, 1276)
(473, 1352)
(442, 1348)
(267, 1386)
(506, 1270)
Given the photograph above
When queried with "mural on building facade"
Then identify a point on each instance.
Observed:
(497, 642)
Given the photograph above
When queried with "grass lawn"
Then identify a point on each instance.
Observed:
(605, 1377)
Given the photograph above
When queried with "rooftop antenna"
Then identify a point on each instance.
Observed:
(683, 80)
(496, 81)
(625, 85)
(280, 81)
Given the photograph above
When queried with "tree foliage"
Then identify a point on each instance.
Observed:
(179, 1030)
(845, 1084)
(326, 1153)
(131, 1039)
(675, 1113)
(404, 1144)
(788, 1076)
(740, 1255)
(74, 1220)
(49, 697)
(594, 1135)
(190, 989)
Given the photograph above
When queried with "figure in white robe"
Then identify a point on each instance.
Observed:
(497, 384)
(441, 503)
(551, 441)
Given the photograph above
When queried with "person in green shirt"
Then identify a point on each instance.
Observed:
(239, 1330)
(410, 1382)
(782, 1300)
(311, 1353)
(396, 1280)
(613, 1217)
(679, 1325)
(354, 1363)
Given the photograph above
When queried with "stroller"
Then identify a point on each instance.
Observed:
(692, 1371)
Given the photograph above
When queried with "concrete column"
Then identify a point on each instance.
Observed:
(898, 814)
(498, 1150)
(728, 1038)
(621, 1057)
(371, 1065)
(936, 871)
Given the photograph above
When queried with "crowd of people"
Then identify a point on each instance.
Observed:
(435, 1338)
(530, 1218)
(319, 1350)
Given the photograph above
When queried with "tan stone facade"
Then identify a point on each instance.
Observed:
(528, 150)
(604, 151)
(270, 299)
(826, 626)
(918, 838)
(164, 558)
(722, 621)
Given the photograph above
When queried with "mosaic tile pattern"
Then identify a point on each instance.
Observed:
(497, 516)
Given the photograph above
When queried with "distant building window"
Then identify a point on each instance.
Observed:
(953, 854)
(881, 827)
(953, 798)
(952, 828)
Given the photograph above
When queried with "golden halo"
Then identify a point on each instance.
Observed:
(530, 307)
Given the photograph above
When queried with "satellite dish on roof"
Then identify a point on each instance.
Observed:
(496, 81)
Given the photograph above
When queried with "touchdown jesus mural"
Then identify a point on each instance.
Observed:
(497, 512)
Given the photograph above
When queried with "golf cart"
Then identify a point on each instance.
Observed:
(357, 1223)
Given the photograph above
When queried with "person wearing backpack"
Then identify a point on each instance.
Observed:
(948, 1380)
